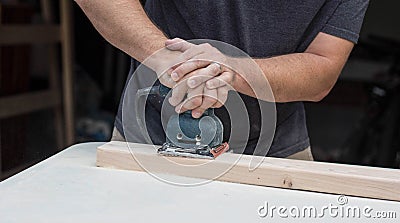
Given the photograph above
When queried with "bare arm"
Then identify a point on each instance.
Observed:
(125, 25)
(307, 76)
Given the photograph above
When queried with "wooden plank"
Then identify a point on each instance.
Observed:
(332, 178)
(29, 34)
(28, 102)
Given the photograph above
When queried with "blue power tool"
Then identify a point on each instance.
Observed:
(187, 136)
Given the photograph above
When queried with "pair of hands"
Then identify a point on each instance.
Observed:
(201, 81)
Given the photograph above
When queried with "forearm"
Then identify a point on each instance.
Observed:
(307, 76)
(125, 25)
(292, 77)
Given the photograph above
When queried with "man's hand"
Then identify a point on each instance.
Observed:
(192, 93)
(307, 76)
(205, 83)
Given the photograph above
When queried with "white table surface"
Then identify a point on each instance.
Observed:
(68, 187)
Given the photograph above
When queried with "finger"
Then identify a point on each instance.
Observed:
(171, 69)
(217, 105)
(224, 79)
(187, 67)
(189, 104)
(167, 81)
(213, 55)
(178, 93)
(209, 99)
(173, 41)
(180, 109)
(222, 97)
(194, 99)
(178, 44)
(204, 75)
(181, 88)
(195, 51)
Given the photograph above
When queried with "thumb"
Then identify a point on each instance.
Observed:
(178, 44)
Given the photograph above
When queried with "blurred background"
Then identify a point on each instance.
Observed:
(60, 84)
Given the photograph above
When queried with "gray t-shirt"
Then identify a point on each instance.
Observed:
(261, 28)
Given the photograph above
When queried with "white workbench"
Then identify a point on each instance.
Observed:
(68, 187)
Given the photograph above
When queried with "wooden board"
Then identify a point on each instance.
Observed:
(274, 172)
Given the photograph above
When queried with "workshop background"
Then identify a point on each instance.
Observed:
(55, 67)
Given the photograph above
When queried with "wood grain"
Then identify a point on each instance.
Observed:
(332, 178)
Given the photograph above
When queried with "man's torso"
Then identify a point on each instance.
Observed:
(261, 28)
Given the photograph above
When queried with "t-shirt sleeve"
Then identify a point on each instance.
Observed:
(347, 20)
